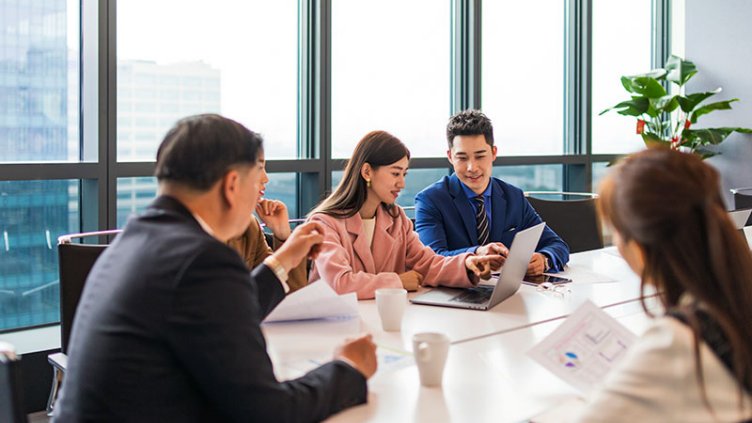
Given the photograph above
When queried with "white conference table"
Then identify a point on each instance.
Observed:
(528, 306)
(480, 338)
(486, 380)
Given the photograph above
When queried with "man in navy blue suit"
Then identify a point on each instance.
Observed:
(471, 211)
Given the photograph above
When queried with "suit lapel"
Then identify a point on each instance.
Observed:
(383, 241)
(464, 209)
(360, 245)
(498, 211)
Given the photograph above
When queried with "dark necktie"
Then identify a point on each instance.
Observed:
(481, 220)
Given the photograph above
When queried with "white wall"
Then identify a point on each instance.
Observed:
(717, 37)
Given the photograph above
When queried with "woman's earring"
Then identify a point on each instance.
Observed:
(368, 183)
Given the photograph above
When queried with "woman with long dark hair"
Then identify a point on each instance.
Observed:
(369, 243)
(694, 363)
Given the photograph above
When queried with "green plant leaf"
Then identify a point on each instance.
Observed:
(634, 107)
(653, 140)
(692, 100)
(705, 153)
(679, 70)
(714, 136)
(721, 105)
(667, 103)
(643, 85)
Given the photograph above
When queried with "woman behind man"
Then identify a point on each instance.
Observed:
(671, 226)
(369, 243)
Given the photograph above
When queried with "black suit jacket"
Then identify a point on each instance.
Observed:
(168, 330)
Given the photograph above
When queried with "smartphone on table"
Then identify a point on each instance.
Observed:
(539, 279)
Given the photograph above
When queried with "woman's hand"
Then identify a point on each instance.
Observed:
(481, 266)
(411, 280)
(274, 215)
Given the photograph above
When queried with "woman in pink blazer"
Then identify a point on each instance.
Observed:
(369, 243)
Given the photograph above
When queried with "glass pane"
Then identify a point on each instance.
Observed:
(621, 46)
(600, 170)
(32, 215)
(39, 80)
(135, 194)
(391, 71)
(241, 62)
(532, 177)
(416, 180)
(523, 75)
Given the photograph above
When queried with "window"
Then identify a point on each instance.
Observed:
(32, 215)
(523, 75)
(390, 71)
(39, 76)
(39, 115)
(532, 178)
(616, 54)
(416, 180)
(135, 194)
(241, 62)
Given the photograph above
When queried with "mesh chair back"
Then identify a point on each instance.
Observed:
(574, 220)
(743, 200)
(11, 401)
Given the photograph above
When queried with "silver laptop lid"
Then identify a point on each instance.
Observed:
(515, 267)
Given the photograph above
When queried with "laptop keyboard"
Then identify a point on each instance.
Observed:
(477, 295)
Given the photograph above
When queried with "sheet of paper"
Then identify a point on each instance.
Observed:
(389, 360)
(315, 301)
(584, 348)
(582, 275)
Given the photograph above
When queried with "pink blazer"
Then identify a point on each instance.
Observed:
(349, 264)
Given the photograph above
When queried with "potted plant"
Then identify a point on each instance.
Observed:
(667, 119)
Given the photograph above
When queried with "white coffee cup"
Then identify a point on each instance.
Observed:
(430, 350)
(391, 303)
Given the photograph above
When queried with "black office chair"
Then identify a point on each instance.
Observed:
(11, 400)
(573, 216)
(743, 200)
(75, 263)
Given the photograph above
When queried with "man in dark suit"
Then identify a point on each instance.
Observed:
(168, 327)
(471, 211)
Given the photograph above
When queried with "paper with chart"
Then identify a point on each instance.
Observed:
(389, 359)
(315, 301)
(584, 348)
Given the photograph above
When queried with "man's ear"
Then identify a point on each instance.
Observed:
(494, 150)
(230, 187)
(449, 155)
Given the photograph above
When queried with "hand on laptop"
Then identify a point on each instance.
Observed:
(493, 248)
(411, 280)
(481, 266)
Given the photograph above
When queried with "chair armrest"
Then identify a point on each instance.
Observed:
(59, 361)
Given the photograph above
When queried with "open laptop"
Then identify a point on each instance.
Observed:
(483, 297)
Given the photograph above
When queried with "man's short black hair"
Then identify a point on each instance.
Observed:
(199, 150)
(469, 122)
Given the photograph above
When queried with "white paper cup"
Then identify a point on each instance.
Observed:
(391, 303)
(430, 350)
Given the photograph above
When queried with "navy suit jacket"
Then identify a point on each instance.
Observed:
(168, 330)
(445, 220)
